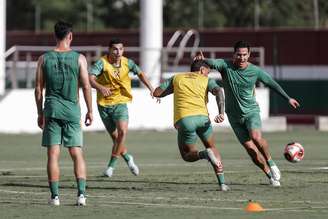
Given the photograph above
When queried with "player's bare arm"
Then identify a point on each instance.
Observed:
(199, 56)
(86, 88)
(218, 93)
(105, 91)
(159, 92)
(38, 92)
(146, 82)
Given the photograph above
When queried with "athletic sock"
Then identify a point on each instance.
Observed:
(81, 184)
(271, 163)
(126, 156)
(203, 154)
(112, 162)
(220, 177)
(54, 187)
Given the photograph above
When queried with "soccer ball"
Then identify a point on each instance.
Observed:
(294, 152)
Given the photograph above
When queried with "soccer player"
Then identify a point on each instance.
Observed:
(110, 77)
(238, 79)
(191, 116)
(60, 71)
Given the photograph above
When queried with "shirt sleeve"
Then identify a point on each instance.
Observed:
(212, 84)
(268, 81)
(133, 67)
(97, 68)
(216, 64)
(167, 84)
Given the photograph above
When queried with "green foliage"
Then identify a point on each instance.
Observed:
(97, 15)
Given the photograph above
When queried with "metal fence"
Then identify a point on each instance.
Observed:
(21, 61)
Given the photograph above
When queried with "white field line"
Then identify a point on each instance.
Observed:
(96, 166)
(159, 198)
(165, 205)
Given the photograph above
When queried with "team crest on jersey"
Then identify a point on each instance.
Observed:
(116, 74)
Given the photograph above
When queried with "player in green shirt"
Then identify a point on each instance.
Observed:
(59, 72)
(238, 80)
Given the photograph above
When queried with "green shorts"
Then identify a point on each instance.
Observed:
(191, 126)
(62, 132)
(242, 126)
(113, 113)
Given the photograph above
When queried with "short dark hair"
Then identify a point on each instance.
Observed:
(242, 44)
(62, 28)
(114, 41)
(197, 64)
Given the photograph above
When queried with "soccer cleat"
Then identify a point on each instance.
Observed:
(54, 201)
(212, 158)
(109, 172)
(274, 183)
(133, 167)
(224, 188)
(275, 172)
(81, 200)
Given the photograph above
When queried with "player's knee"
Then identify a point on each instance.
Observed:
(256, 138)
(251, 151)
(122, 133)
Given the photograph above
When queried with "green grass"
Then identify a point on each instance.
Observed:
(168, 187)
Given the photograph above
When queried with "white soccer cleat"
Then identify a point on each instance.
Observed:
(274, 183)
(212, 158)
(81, 200)
(224, 188)
(133, 167)
(275, 172)
(54, 201)
(109, 172)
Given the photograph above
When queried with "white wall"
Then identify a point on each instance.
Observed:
(18, 111)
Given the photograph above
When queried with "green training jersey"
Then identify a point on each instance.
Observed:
(239, 85)
(61, 76)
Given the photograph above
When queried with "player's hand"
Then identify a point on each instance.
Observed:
(88, 119)
(41, 121)
(199, 56)
(158, 100)
(294, 103)
(105, 91)
(219, 118)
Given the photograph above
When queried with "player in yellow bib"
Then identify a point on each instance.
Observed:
(110, 77)
(191, 116)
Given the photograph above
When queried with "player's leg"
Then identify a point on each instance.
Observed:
(51, 138)
(106, 115)
(205, 132)
(253, 124)
(187, 138)
(73, 140)
(79, 172)
(121, 118)
(242, 135)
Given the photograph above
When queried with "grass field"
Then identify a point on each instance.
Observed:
(167, 187)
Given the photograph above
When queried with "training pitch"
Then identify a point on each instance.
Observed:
(167, 187)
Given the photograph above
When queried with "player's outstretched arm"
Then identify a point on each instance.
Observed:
(146, 82)
(86, 88)
(38, 92)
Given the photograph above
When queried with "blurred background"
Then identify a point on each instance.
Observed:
(289, 40)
